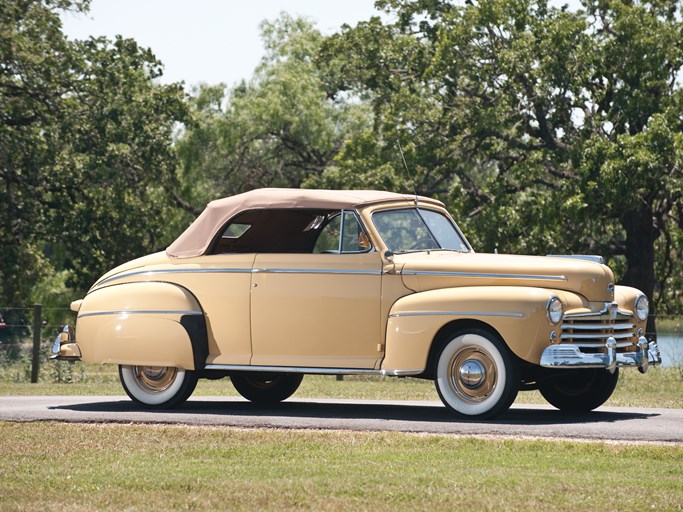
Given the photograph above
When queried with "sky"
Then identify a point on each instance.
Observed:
(209, 41)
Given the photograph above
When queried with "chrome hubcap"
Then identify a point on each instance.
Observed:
(154, 379)
(472, 374)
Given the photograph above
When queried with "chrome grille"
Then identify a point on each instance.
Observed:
(590, 331)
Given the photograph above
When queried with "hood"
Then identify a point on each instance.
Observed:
(443, 269)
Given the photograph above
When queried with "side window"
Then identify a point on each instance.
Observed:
(235, 230)
(328, 240)
(354, 238)
(342, 234)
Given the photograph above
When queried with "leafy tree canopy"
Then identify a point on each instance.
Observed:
(85, 150)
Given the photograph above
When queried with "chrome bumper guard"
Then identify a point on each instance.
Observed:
(64, 347)
(570, 356)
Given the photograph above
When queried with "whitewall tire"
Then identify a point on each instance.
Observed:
(157, 386)
(476, 376)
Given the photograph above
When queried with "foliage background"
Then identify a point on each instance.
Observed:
(544, 130)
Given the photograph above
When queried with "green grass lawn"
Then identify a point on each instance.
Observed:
(72, 467)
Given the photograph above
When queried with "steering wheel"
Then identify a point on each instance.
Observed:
(420, 243)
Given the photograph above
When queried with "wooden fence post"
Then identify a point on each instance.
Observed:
(37, 326)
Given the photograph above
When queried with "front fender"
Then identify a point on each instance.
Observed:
(142, 323)
(518, 314)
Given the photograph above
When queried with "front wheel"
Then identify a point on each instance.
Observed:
(265, 387)
(580, 390)
(476, 375)
(157, 387)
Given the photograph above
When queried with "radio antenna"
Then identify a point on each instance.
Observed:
(405, 165)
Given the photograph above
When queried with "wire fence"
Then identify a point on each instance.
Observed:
(34, 327)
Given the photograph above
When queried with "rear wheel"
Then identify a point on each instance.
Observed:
(265, 387)
(476, 375)
(157, 386)
(580, 390)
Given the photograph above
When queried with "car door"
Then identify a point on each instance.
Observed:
(321, 309)
(221, 283)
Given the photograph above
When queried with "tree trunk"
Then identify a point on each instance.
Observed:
(641, 233)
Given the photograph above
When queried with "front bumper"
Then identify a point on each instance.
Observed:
(64, 347)
(570, 356)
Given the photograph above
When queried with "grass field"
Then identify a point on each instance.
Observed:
(53, 467)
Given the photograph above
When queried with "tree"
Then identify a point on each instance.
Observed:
(85, 150)
(33, 81)
(119, 163)
(545, 129)
(279, 129)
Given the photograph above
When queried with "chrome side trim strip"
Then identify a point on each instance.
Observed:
(314, 271)
(238, 271)
(144, 312)
(177, 271)
(481, 274)
(312, 370)
(457, 313)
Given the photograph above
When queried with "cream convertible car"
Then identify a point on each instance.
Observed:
(270, 285)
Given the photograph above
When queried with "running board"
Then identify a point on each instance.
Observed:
(312, 371)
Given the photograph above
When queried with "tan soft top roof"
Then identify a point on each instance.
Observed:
(195, 239)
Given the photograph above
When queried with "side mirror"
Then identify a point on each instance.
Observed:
(389, 256)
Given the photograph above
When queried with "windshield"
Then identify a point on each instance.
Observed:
(417, 229)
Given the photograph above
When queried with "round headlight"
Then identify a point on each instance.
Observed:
(642, 307)
(554, 308)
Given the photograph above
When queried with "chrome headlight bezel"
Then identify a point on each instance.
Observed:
(641, 307)
(554, 310)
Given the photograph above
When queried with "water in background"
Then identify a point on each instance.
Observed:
(671, 347)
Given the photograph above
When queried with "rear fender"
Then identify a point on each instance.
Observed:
(143, 323)
(517, 314)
